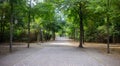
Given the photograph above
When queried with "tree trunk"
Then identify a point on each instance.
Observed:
(38, 36)
(29, 31)
(11, 26)
(74, 34)
(1, 29)
(108, 32)
(108, 35)
(41, 35)
(81, 26)
(53, 35)
(29, 20)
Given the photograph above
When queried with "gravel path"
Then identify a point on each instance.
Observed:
(57, 53)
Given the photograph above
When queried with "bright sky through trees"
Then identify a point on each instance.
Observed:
(33, 2)
(40, 0)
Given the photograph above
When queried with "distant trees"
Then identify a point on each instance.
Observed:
(76, 14)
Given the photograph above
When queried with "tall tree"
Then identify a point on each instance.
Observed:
(108, 26)
(81, 24)
(29, 20)
(11, 25)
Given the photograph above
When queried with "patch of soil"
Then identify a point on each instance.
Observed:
(102, 47)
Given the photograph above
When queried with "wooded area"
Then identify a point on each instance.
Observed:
(41, 20)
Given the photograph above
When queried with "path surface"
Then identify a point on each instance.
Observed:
(57, 53)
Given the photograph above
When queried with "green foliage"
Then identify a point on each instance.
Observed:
(62, 17)
(94, 16)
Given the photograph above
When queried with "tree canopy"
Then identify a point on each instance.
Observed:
(82, 20)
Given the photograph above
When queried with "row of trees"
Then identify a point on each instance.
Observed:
(87, 20)
(28, 20)
(93, 20)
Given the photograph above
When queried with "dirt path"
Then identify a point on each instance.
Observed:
(61, 52)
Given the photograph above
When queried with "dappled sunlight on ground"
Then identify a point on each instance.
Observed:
(60, 41)
(60, 44)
